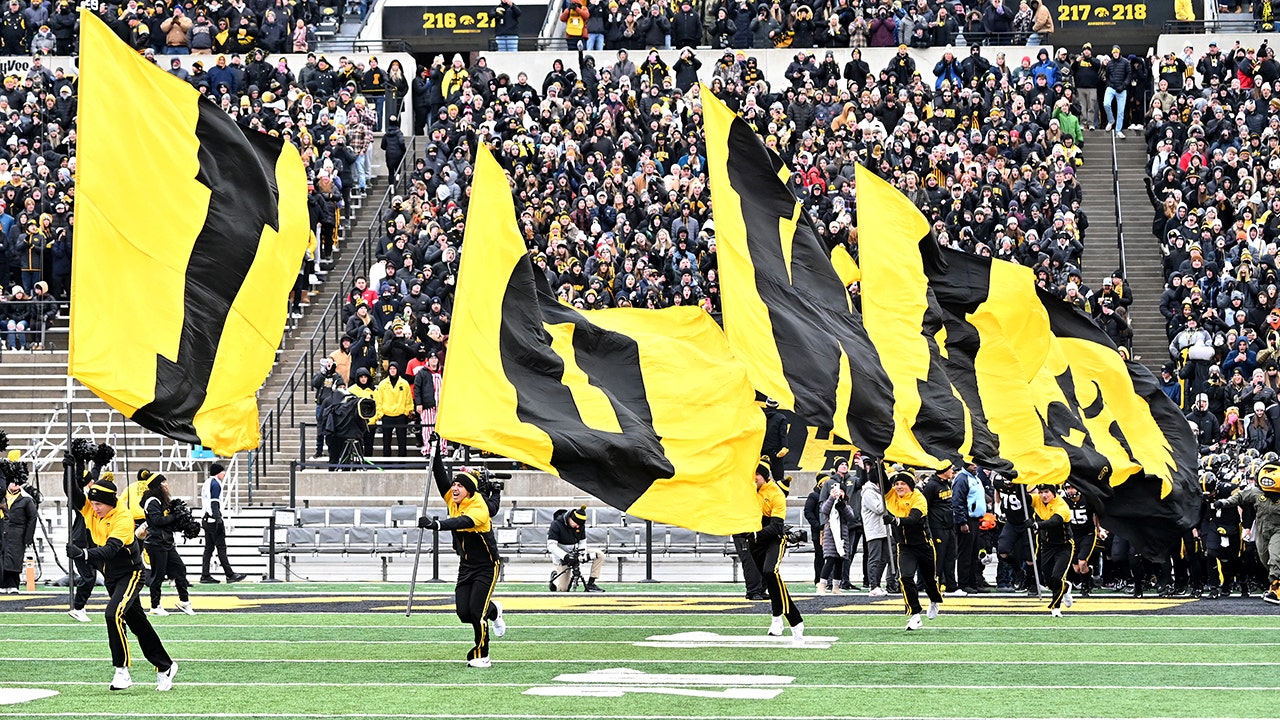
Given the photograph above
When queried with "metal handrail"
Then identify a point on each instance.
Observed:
(1115, 189)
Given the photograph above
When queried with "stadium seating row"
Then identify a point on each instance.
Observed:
(539, 517)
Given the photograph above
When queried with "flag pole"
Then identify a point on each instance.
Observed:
(882, 479)
(69, 477)
(1035, 570)
(426, 498)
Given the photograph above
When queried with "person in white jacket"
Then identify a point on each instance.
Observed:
(877, 539)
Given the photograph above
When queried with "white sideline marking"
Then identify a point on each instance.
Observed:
(627, 676)
(616, 691)
(17, 696)
(703, 639)
(617, 682)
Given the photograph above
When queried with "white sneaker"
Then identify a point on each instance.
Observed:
(797, 634)
(121, 681)
(820, 589)
(958, 592)
(158, 612)
(1135, 126)
(933, 610)
(480, 662)
(1119, 135)
(499, 623)
(914, 622)
(1109, 126)
(79, 614)
(164, 680)
(775, 627)
(1055, 613)
(185, 607)
(878, 592)
(1067, 600)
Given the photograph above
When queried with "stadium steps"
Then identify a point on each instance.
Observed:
(1142, 253)
(272, 488)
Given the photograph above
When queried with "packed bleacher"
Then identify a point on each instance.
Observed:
(1212, 130)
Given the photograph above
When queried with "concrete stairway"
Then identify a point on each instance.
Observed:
(292, 376)
(1142, 253)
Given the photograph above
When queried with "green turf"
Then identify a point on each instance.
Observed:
(379, 665)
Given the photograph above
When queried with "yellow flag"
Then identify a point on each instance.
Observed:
(646, 410)
(190, 232)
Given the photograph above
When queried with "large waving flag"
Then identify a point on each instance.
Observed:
(786, 311)
(646, 410)
(189, 235)
(904, 321)
(1042, 383)
(1123, 406)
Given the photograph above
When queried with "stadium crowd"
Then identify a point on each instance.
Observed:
(1213, 143)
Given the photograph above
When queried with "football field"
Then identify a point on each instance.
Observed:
(680, 651)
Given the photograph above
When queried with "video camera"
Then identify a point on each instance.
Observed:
(186, 524)
(795, 535)
(491, 482)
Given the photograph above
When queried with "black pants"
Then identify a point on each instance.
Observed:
(398, 424)
(471, 599)
(768, 555)
(10, 578)
(913, 560)
(124, 611)
(968, 569)
(815, 534)
(215, 538)
(1053, 561)
(750, 568)
(167, 563)
(85, 578)
(945, 546)
(1086, 545)
(851, 549)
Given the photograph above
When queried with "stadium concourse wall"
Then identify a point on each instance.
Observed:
(20, 65)
(772, 62)
(321, 488)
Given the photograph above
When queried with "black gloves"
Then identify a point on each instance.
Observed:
(891, 519)
(75, 551)
(427, 523)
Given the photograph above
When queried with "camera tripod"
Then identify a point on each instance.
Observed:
(352, 452)
(573, 566)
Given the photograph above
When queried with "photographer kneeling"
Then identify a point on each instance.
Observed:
(568, 533)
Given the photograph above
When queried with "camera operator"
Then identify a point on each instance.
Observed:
(568, 533)
(164, 515)
(768, 545)
(477, 549)
(324, 383)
